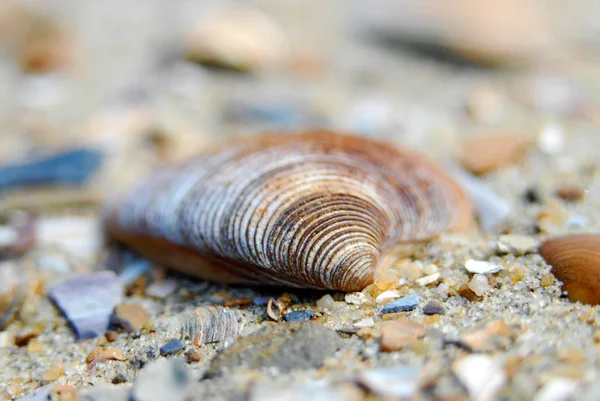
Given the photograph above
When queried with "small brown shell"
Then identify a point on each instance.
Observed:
(203, 325)
(314, 210)
(575, 260)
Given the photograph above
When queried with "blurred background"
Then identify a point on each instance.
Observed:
(133, 84)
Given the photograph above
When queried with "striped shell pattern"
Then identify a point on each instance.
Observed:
(315, 210)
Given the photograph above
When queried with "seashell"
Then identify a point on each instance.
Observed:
(203, 325)
(316, 209)
(575, 260)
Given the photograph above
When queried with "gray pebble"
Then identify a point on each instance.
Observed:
(171, 347)
(403, 304)
(433, 308)
(298, 316)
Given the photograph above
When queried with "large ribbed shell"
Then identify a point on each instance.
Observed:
(308, 210)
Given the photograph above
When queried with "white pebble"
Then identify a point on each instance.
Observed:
(326, 302)
(557, 390)
(425, 281)
(481, 375)
(551, 139)
(479, 284)
(481, 266)
(355, 298)
(517, 244)
(387, 296)
(442, 288)
(366, 322)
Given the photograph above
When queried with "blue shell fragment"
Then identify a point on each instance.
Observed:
(70, 168)
(88, 300)
(403, 304)
(171, 347)
(298, 315)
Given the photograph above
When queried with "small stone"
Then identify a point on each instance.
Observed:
(479, 284)
(241, 38)
(111, 336)
(112, 354)
(397, 382)
(395, 335)
(298, 315)
(498, 335)
(162, 289)
(482, 376)
(192, 355)
(284, 346)
(559, 389)
(551, 139)
(172, 346)
(570, 193)
(430, 279)
(23, 339)
(131, 317)
(274, 310)
(481, 267)
(55, 371)
(516, 244)
(466, 292)
(547, 280)
(164, 379)
(366, 322)
(482, 155)
(404, 304)
(433, 308)
(355, 298)
(326, 302)
(387, 296)
(237, 302)
(387, 280)
(119, 379)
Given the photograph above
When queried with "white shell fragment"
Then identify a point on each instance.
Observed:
(397, 382)
(88, 301)
(203, 325)
(481, 267)
(430, 279)
(517, 244)
(481, 375)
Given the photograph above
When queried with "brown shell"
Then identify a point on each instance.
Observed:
(314, 210)
(575, 260)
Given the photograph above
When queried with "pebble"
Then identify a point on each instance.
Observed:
(559, 389)
(163, 379)
(111, 336)
(326, 302)
(485, 154)
(517, 244)
(427, 280)
(171, 347)
(396, 382)
(570, 193)
(403, 304)
(551, 139)
(396, 334)
(479, 284)
(433, 308)
(366, 322)
(55, 371)
(355, 298)
(298, 315)
(131, 317)
(284, 346)
(241, 38)
(498, 335)
(481, 267)
(466, 292)
(482, 376)
(112, 354)
(387, 296)
(70, 168)
(88, 301)
(192, 355)
(162, 289)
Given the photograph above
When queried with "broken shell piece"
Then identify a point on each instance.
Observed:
(481, 267)
(88, 301)
(203, 325)
(517, 244)
(240, 38)
(481, 375)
